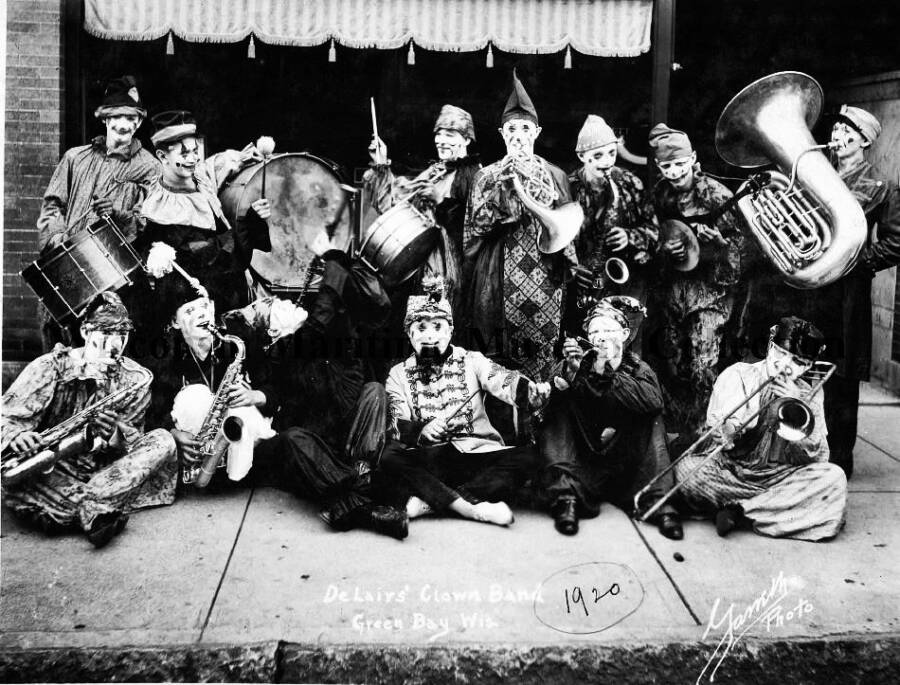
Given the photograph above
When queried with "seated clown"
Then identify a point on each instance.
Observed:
(763, 471)
(603, 436)
(80, 413)
(294, 459)
(445, 455)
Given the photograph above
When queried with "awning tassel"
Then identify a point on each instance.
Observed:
(489, 62)
(251, 48)
(567, 63)
(332, 53)
(411, 55)
(170, 45)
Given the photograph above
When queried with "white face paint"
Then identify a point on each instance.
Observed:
(195, 319)
(179, 160)
(850, 142)
(430, 337)
(679, 172)
(450, 144)
(599, 160)
(519, 136)
(779, 360)
(120, 130)
(103, 347)
(608, 336)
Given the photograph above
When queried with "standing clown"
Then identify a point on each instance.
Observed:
(513, 286)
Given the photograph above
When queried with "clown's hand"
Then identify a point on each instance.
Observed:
(378, 151)
(617, 239)
(434, 432)
(160, 260)
(709, 234)
(560, 383)
(538, 394)
(262, 208)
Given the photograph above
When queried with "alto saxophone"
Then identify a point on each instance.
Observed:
(217, 430)
(68, 437)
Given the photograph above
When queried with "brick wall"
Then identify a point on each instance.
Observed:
(34, 126)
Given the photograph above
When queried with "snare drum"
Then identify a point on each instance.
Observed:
(399, 242)
(306, 195)
(93, 261)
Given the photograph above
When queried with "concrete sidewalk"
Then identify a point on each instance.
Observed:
(251, 586)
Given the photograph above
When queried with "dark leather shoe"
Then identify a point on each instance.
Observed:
(670, 527)
(727, 520)
(565, 515)
(105, 527)
(387, 521)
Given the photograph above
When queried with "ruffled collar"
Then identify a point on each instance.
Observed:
(198, 208)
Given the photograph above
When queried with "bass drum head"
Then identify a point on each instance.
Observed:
(305, 195)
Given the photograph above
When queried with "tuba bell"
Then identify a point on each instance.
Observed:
(803, 215)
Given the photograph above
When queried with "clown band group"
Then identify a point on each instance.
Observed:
(569, 400)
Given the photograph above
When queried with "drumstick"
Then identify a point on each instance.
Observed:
(460, 407)
(374, 121)
(266, 146)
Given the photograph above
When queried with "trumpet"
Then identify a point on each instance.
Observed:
(795, 422)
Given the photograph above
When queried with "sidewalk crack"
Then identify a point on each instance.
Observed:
(237, 537)
(666, 571)
(880, 449)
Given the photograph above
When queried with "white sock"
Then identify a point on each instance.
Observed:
(416, 507)
(493, 512)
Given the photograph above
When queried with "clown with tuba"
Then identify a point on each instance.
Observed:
(520, 222)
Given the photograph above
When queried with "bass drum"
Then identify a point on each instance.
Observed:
(306, 194)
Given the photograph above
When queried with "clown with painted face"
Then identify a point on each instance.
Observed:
(618, 216)
(440, 191)
(695, 294)
(108, 177)
(445, 454)
(764, 478)
(843, 309)
(603, 438)
(119, 467)
(516, 291)
(182, 210)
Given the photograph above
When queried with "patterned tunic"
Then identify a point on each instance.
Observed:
(419, 393)
(694, 307)
(619, 201)
(508, 271)
(86, 171)
(134, 471)
(787, 489)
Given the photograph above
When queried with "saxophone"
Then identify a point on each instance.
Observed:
(217, 429)
(68, 437)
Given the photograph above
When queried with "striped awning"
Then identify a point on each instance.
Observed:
(603, 28)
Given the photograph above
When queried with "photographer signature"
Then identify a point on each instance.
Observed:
(769, 608)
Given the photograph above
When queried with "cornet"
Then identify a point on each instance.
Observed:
(795, 422)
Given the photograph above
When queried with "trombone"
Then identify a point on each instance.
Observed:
(795, 422)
